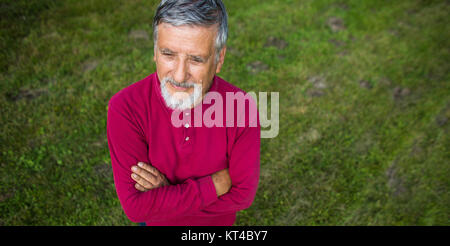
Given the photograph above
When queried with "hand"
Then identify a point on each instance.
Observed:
(222, 181)
(147, 177)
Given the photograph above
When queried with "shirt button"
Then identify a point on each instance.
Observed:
(187, 139)
(186, 125)
(186, 114)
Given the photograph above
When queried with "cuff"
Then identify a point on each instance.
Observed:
(208, 192)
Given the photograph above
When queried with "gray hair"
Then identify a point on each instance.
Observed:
(194, 12)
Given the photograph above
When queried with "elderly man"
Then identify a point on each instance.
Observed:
(190, 174)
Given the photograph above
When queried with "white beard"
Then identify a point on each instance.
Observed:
(180, 100)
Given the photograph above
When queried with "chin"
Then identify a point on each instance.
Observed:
(180, 99)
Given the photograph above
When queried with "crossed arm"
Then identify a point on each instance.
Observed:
(204, 196)
(148, 177)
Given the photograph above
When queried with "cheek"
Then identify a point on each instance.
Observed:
(164, 67)
(202, 72)
(163, 63)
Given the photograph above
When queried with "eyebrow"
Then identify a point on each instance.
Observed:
(197, 58)
(164, 50)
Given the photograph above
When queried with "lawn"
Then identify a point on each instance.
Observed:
(364, 90)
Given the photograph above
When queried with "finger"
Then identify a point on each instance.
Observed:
(145, 175)
(149, 168)
(141, 181)
(160, 179)
(140, 187)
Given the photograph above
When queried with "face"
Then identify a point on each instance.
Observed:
(185, 60)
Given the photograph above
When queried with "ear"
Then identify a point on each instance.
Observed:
(221, 59)
(154, 53)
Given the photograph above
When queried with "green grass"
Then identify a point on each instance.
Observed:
(346, 154)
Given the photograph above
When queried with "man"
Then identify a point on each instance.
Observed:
(190, 174)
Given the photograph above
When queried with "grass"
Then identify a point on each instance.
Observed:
(364, 109)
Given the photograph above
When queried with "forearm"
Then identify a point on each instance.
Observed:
(167, 202)
(239, 197)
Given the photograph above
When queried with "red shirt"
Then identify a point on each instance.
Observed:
(139, 128)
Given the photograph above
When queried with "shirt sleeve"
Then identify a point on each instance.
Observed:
(244, 169)
(128, 145)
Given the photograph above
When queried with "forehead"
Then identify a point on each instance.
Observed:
(197, 40)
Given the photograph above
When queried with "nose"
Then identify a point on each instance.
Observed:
(181, 71)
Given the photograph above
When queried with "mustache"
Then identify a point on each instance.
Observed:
(184, 84)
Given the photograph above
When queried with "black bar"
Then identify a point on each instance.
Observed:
(218, 235)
